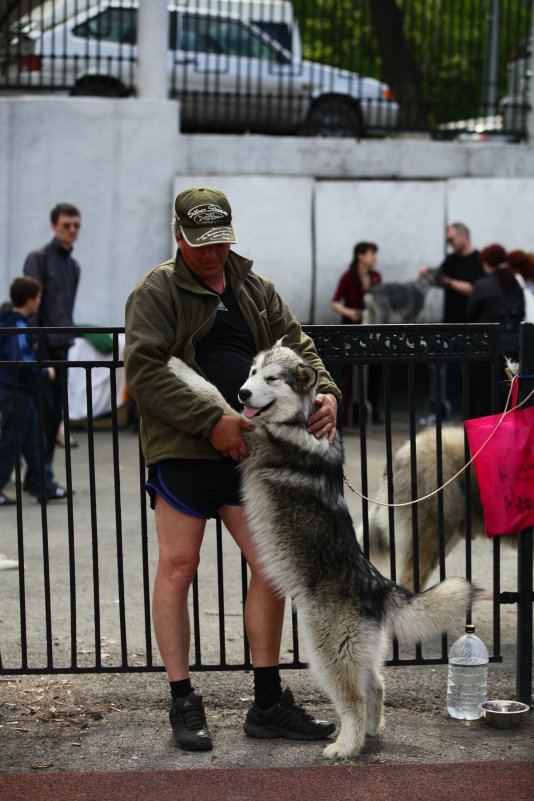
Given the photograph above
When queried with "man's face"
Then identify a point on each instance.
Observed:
(207, 261)
(66, 230)
(456, 240)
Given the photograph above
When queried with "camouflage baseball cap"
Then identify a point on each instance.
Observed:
(205, 217)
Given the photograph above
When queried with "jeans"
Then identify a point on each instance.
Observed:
(31, 442)
(53, 401)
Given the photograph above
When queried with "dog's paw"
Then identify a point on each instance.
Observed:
(340, 750)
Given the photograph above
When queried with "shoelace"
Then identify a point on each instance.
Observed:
(193, 717)
(295, 709)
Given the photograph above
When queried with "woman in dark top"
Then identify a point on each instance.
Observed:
(496, 298)
(353, 284)
(348, 301)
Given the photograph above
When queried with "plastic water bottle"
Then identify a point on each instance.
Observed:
(467, 682)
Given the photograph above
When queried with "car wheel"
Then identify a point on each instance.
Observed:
(334, 116)
(96, 86)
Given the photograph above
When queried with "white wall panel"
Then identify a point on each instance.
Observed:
(109, 158)
(495, 210)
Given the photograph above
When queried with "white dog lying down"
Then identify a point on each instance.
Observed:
(300, 523)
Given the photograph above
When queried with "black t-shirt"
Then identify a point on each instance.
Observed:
(226, 352)
(463, 268)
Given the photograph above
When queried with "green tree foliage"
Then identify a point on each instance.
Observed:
(435, 61)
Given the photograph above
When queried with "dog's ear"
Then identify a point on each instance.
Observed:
(307, 376)
(282, 343)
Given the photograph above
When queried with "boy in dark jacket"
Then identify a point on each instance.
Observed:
(25, 299)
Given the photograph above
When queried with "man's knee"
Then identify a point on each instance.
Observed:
(178, 570)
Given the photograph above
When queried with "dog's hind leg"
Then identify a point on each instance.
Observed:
(428, 552)
(375, 704)
(354, 686)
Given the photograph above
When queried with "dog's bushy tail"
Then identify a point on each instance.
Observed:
(416, 617)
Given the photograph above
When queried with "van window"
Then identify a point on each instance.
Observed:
(223, 36)
(113, 25)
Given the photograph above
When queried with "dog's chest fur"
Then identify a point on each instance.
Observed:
(290, 482)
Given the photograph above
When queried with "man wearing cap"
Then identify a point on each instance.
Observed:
(210, 309)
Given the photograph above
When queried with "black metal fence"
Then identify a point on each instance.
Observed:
(443, 66)
(80, 599)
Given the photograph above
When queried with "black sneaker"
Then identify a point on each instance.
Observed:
(56, 493)
(285, 719)
(53, 493)
(188, 721)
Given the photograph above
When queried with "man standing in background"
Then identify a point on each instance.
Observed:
(59, 274)
(458, 273)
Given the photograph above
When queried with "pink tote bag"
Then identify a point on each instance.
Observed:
(505, 467)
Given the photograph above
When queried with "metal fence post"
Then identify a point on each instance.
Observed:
(525, 548)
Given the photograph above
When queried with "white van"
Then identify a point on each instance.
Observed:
(227, 72)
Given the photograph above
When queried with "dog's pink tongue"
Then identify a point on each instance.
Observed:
(251, 411)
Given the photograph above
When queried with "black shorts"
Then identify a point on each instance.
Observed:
(198, 487)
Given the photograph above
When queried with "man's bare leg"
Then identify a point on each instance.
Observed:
(179, 538)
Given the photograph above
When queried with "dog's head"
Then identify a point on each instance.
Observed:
(280, 388)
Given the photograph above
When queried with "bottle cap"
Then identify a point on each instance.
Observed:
(469, 628)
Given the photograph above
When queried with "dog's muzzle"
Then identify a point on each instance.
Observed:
(244, 395)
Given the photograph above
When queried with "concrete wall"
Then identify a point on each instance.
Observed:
(300, 204)
(113, 161)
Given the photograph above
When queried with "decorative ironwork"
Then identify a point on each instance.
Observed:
(361, 344)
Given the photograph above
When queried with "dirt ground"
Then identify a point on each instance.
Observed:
(119, 722)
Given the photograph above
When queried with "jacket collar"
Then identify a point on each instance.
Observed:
(60, 249)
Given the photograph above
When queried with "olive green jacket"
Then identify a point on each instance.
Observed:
(166, 314)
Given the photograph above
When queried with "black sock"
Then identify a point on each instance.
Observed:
(180, 689)
(267, 686)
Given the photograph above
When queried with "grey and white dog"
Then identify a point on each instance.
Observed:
(301, 527)
(407, 302)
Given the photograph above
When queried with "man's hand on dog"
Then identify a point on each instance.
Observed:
(323, 421)
(225, 436)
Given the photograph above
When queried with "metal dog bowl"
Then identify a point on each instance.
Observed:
(504, 714)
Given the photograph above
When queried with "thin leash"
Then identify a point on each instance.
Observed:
(505, 413)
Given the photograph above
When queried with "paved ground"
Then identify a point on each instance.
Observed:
(106, 736)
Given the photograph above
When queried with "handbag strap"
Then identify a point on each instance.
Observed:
(512, 395)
